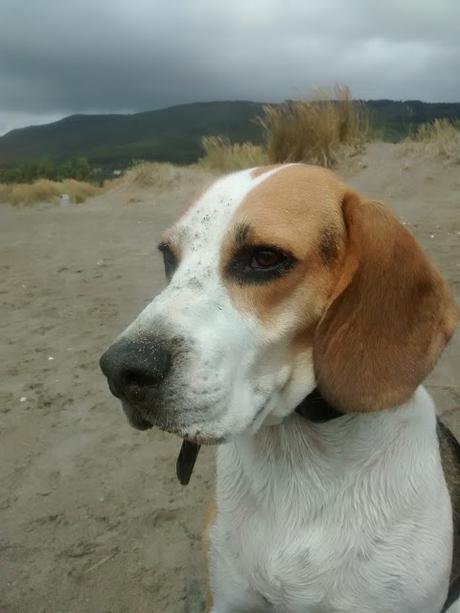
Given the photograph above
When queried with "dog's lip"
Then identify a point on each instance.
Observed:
(139, 423)
(203, 440)
(135, 418)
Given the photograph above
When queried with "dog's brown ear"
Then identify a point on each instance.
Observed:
(389, 318)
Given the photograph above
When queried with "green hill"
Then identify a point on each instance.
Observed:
(174, 134)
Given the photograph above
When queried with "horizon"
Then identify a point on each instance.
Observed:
(127, 113)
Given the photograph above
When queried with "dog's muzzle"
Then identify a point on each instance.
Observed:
(135, 370)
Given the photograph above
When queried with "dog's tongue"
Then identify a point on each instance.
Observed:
(186, 461)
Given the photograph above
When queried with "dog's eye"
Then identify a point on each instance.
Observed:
(262, 259)
(169, 259)
(259, 264)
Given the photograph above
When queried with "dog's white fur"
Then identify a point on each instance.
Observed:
(350, 516)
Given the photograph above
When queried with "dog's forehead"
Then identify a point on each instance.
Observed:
(274, 198)
(207, 220)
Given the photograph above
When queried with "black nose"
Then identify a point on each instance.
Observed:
(133, 368)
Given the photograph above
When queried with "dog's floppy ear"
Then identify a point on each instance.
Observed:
(389, 318)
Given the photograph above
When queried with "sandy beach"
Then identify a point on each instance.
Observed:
(92, 517)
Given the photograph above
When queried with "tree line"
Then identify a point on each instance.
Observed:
(27, 172)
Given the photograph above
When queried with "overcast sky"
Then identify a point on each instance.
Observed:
(59, 57)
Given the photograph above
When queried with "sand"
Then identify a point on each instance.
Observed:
(92, 518)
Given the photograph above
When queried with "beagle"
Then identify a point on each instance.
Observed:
(298, 325)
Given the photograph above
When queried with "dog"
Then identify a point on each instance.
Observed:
(298, 324)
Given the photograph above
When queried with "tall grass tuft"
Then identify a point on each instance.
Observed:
(320, 130)
(222, 155)
(438, 139)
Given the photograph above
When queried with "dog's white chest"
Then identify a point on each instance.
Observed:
(329, 531)
(288, 571)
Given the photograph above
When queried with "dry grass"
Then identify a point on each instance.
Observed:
(79, 191)
(438, 139)
(222, 155)
(321, 130)
(161, 176)
(153, 174)
(44, 190)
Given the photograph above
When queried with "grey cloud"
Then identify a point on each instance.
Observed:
(61, 57)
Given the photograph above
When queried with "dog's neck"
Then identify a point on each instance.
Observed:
(313, 408)
(316, 409)
(329, 453)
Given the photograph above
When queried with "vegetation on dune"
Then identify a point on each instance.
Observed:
(317, 131)
(157, 175)
(222, 155)
(45, 190)
(439, 138)
(45, 181)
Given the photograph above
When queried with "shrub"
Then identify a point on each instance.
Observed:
(160, 176)
(78, 191)
(222, 155)
(318, 131)
(45, 190)
(440, 138)
(152, 174)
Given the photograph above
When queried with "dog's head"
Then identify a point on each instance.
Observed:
(280, 280)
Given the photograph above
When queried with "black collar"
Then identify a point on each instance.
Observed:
(313, 407)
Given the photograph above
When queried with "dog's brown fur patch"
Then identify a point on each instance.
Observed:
(289, 210)
(390, 317)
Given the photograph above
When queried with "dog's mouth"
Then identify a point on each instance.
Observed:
(191, 443)
(188, 453)
(135, 417)
(141, 419)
